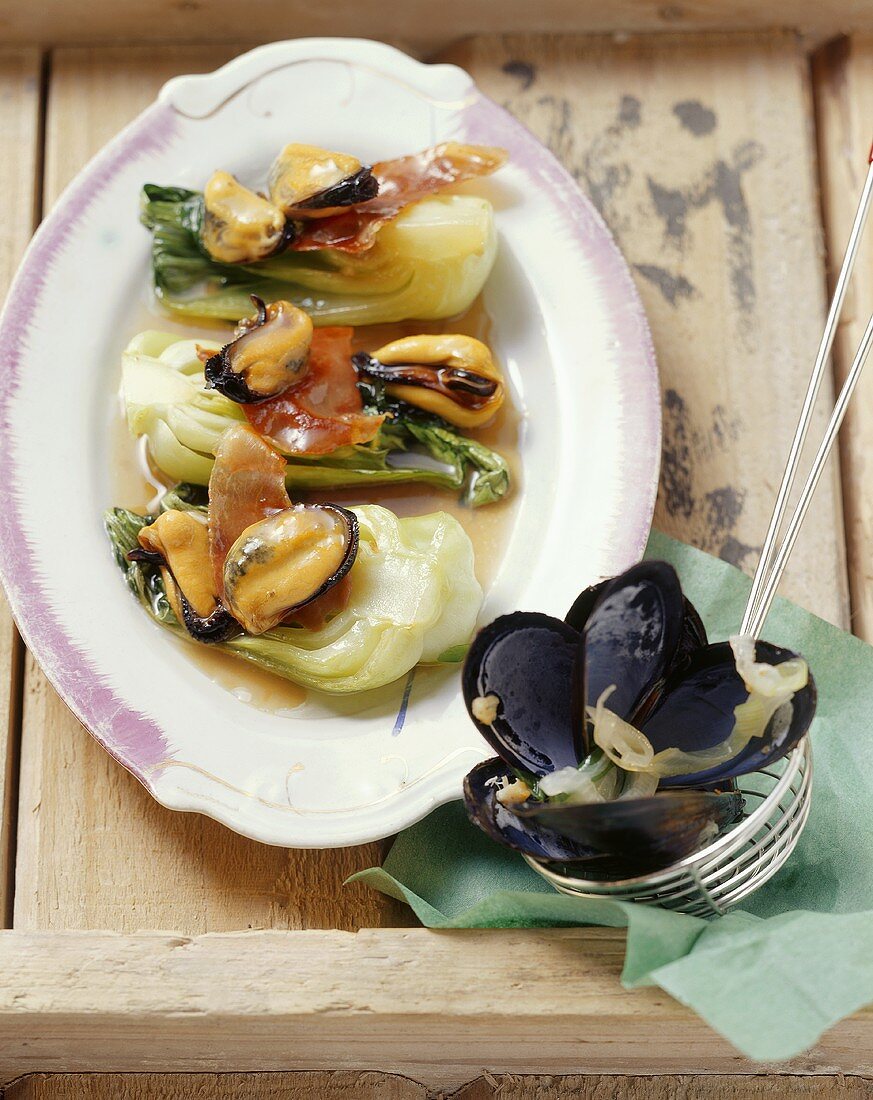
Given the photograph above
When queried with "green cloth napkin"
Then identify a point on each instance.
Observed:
(770, 977)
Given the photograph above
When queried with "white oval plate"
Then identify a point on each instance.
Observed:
(567, 324)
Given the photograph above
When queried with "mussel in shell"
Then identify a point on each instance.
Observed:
(240, 226)
(742, 731)
(501, 824)
(308, 182)
(450, 375)
(286, 561)
(268, 354)
(619, 731)
(178, 543)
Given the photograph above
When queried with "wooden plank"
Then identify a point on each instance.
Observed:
(369, 1086)
(843, 83)
(698, 153)
(328, 1000)
(691, 1087)
(94, 850)
(57, 23)
(422, 1004)
(20, 88)
(216, 1086)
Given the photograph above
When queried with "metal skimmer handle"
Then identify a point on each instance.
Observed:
(772, 562)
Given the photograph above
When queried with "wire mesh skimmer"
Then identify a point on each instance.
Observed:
(777, 799)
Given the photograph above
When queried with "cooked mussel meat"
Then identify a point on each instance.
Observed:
(287, 560)
(269, 353)
(308, 182)
(450, 375)
(178, 543)
(240, 226)
(594, 719)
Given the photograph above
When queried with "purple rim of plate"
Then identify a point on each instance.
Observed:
(486, 122)
(135, 739)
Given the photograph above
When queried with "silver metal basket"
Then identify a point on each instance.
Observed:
(743, 858)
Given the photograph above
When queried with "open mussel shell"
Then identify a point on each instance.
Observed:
(522, 666)
(308, 181)
(268, 354)
(643, 834)
(632, 627)
(691, 638)
(502, 825)
(696, 712)
(215, 627)
(449, 374)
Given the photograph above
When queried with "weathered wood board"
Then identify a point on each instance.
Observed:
(20, 87)
(434, 1006)
(379, 1086)
(123, 21)
(699, 155)
(843, 81)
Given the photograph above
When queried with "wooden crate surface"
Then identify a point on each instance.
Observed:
(701, 155)
(56, 22)
(362, 1086)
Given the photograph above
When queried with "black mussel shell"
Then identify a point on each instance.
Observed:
(502, 825)
(219, 370)
(526, 659)
(359, 187)
(220, 377)
(644, 834)
(696, 711)
(692, 638)
(631, 636)
(632, 633)
(217, 627)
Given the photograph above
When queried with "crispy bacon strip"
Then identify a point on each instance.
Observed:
(401, 181)
(322, 412)
(247, 485)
